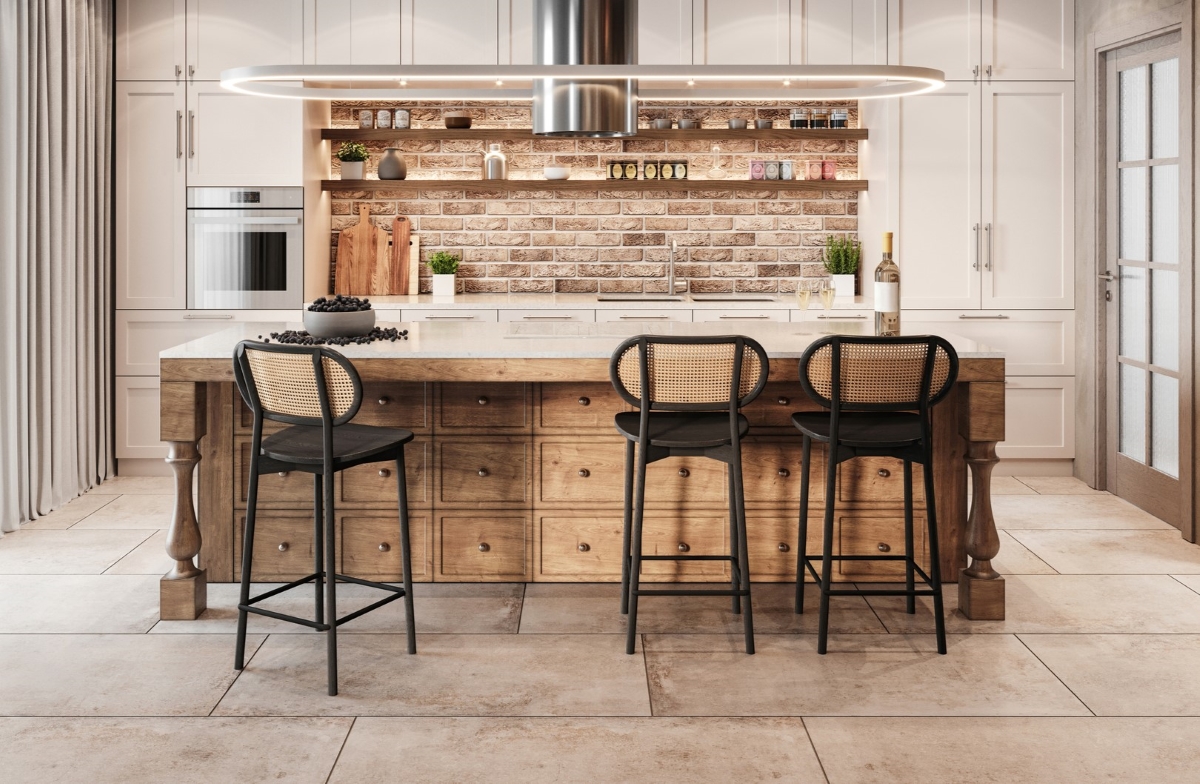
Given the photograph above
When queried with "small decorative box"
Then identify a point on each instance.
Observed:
(828, 170)
(366, 118)
(400, 118)
(757, 170)
(772, 170)
(813, 170)
(785, 170)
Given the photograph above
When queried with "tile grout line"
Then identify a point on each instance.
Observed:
(89, 514)
(812, 745)
(126, 555)
(336, 759)
(247, 663)
(1055, 674)
(1181, 582)
(646, 670)
(1031, 552)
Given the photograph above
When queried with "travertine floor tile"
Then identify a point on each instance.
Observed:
(451, 675)
(180, 750)
(132, 511)
(1059, 485)
(136, 485)
(1113, 552)
(66, 552)
(862, 675)
(1190, 580)
(440, 608)
(1010, 485)
(1009, 750)
(69, 513)
(149, 557)
(77, 604)
(1125, 674)
(573, 608)
(1050, 604)
(115, 674)
(1015, 558)
(545, 750)
(1090, 512)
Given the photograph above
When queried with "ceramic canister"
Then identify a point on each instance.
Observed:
(757, 170)
(400, 118)
(771, 170)
(651, 170)
(785, 170)
(828, 170)
(366, 118)
(813, 170)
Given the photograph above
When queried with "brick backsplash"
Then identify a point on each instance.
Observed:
(518, 238)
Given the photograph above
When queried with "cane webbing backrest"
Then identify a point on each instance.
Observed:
(885, 373)
(690, 373)
(285, 382)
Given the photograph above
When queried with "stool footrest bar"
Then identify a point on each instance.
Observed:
(687, 592)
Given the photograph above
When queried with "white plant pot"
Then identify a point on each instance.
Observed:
(443, 285)
(843, 286)
(353, 170)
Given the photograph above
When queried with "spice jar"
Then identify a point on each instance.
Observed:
(819, 118)
(771, 170)
(839, 118)
(798, 118)
(383, 118)
(400, 118)
(813, 170)
(757, 170)
(828, 170)
(366, 118)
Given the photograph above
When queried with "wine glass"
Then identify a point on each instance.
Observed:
(827, 292)
(802, 296)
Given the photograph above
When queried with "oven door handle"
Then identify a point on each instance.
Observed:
(247, 221)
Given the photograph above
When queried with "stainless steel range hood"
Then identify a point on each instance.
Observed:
(585, 32)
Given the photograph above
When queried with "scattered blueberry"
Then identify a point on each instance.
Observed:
(340, 303)
(300, 337)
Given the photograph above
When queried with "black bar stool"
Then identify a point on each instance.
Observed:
(317, 391)
(879, 392)
(688, 391)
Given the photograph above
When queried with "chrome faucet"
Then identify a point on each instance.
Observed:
(671, 286)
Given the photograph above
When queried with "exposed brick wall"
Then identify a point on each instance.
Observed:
(518, 238)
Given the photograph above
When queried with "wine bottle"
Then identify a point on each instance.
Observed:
(887, 292)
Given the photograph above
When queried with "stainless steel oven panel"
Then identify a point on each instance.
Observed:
(245, 259)
(245, 198)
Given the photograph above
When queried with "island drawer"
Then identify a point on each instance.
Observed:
(370, 546)
(775, 406)
(483, 406)
(375, 483)
(878, 479)
(483, 471)
(866, 534)
(482, 547)
(584, 548)
(548, 316)
(286, 488)
(283, 546)
(573, 471)
(448, 314)
(395, 404)
(771, 472)
(578, 406)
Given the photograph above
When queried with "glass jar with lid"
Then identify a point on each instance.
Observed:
(819, 118)
(839, 118)
(798, 118)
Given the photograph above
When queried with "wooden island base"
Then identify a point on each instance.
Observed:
(516, 475)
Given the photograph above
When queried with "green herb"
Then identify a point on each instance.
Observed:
(842, 255)
(353, 151)
(443, 263)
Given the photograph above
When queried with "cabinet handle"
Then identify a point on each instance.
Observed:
(283, 473)
(178, 72)
(546, 318)
(783, 401)
(975, 71)
(206, 317)
(483, 400)
(991, 246)
(742, 318)
(449, 318)
(883, 547)
(191, 71)
(584, 473)
(684, 473)
(784, 547)
(484, 547)
(840, 318)
(283, 547)
(883, 472)
(384, 547)
(584, 547)
(584, 401)
(975, 264)
(965, 317)
(385, 472)
(642, 318)
(178, 128)
(191, 134)
(989, 72)
(384, 400)
(683, 547)
(482, 472)
(784, 472)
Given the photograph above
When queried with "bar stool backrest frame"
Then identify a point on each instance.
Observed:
(676, 373)
(297, 385)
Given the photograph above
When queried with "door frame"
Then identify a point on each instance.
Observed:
(1091, 373)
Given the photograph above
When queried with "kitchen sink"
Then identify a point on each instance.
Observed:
(733, 298)
(638, 298)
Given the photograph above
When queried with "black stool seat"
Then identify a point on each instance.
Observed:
(303, 445)
(682, 430)
(865, 430)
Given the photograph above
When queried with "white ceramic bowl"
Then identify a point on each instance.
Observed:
(557, 172)
(339, 325)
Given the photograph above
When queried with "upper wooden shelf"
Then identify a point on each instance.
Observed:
(712, 134)
(475, 186)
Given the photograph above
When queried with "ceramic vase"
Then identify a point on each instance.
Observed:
(392, 166)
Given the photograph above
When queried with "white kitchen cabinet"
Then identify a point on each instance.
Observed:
(140, 335)
(634, 315)
(1028, 195)
(1039, 418)
(665, 32)
(357, 32)
(842, 32)
(742, 32)
(449, 315)
(740, 316)
(516, 20)
(941, 34)
(544, 316)
(452, 32)
(151, 40)
(150, 201)
(235, 139)
(1034, 342)
(225, 34)
(137, 434)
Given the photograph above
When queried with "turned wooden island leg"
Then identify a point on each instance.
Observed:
(183, 591)
(981, 424)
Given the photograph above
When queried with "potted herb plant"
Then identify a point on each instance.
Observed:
(842, 255)
(353, 156)
(443, 265)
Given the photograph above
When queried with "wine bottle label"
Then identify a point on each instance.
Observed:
(887, 297)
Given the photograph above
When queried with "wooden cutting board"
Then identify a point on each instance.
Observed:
(398, 273)
(363, 258)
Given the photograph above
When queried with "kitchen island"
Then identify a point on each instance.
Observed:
(516, 471)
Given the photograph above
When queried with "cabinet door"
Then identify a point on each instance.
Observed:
(150, 39)
(942, 34)
(843, 32)
(453, 32)
(935, 171)
(665, 32)
(1034, 342)
(142, 334)
(741, 32)
(357, 32)
(1028, 195)
(518, 29)
(236, 139)
(231, 33)
(1029, 39)
(137, 419)
(1039, 418)
(150, 196)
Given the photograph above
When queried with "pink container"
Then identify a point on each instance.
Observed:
(758, 170)
(813, 170)
(828, 170)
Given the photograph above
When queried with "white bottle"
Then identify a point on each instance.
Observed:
(495, 165)
(887, 292)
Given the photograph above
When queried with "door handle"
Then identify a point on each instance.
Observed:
(975, 229)
(991, 246)
(1107, 276)
(191, 134)
(178, 134)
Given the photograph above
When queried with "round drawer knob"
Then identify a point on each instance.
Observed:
(683, 547)
(883, 547)
(283, 473)
(384, 547)
(484, 547)
(384, 400)
(584, 473)
(784, 472)
(883, 472)
(483, 401)
(482, 472)
(583, 401)
(684, 473)
(784, 547)
(783, 401)
(584, 547)
(283, 547)
(385, 472)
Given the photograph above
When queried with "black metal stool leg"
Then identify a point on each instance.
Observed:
(626, 527)
(910, 605)
(635, 566)
(330, 585)
(802, 533)
(318, 547)
(406, 554)
(239, 656)
(827, 545)
(935, 562)
(743, 561)
(734, 543)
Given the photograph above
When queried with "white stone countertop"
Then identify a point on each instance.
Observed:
(518, 340)
(593, 302)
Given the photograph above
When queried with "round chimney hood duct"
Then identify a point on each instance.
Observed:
(585, 32)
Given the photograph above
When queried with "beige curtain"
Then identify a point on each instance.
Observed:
(55, 252)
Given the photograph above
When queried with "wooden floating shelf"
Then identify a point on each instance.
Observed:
(476, 186)
(706, 134)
